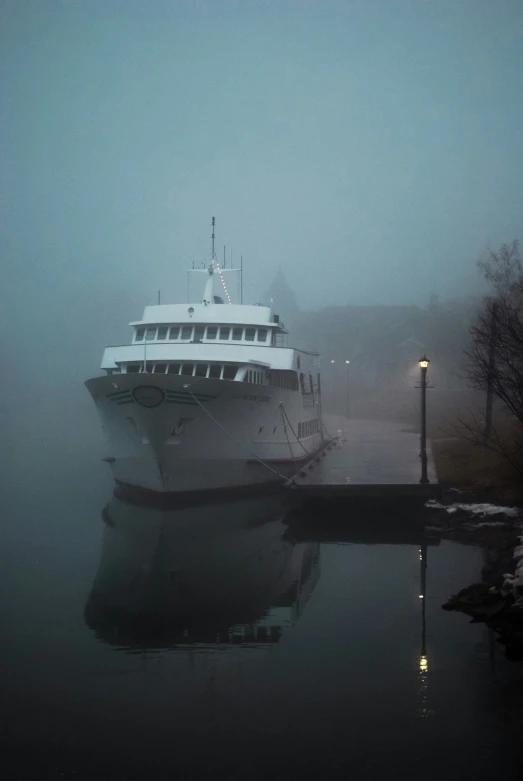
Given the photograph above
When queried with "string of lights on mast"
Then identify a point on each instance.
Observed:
(213, 258)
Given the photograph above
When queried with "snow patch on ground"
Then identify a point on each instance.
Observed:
(515, 581)
(481, 510)
(486, 523)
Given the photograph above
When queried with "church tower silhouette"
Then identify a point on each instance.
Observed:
(284, 301)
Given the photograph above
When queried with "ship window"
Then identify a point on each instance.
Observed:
(186, 332)
(199, 332)
(174, 333)
(225, 332)
(173, 368)
(150, 334)
(201, 370)
(262, 334)
(249, 334)
(211, 331)
(133, 368)
(229, 372)
(237, 334)
(283, 379)
(159, 368)
(310, 383)
(187, 369)
(162, 332)
(139, 334)
(148, 367)
(302, 382)
(299, 430)
(215, 371)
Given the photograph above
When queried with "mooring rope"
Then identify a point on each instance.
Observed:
(324, 427)
(321, 421)
(291, 428)
(287, 437)
(249, 452)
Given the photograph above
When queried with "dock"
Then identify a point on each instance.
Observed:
(370, 460)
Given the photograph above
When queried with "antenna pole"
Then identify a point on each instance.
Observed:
(158, 297)
(241, 279)
(224, 261)
(213, 223)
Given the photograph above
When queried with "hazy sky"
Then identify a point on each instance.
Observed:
(373, 147)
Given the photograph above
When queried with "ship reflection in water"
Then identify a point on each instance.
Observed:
(216, 574)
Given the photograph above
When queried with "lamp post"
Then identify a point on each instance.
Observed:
(347, 390)
(424, 365)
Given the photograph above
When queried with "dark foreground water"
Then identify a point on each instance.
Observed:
(238, 641)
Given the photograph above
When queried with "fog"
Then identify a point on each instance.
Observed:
(373, 149)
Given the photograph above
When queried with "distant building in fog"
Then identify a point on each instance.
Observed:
(284, 301)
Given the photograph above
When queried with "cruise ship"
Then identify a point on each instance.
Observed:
(208, 397)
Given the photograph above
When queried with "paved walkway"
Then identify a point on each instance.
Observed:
(376, 459)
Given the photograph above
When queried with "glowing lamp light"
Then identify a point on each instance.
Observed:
(333, 361)
(424, 363)
(423, 664)
(421, 596)
(347, 361)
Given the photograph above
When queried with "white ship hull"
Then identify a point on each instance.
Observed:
(165, 438)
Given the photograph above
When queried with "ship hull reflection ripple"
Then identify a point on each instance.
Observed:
(206, 574)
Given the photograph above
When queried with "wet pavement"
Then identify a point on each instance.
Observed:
(371, 457)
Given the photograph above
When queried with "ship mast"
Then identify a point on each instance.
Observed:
(208, 295)
(212, 269)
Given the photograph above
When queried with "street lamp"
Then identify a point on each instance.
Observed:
(347, 391)
(423, 365)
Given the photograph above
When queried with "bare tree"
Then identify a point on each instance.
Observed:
(494, 361)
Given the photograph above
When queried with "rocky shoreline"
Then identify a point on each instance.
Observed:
(498, 600)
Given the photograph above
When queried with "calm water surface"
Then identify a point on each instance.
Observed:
(237, 641)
